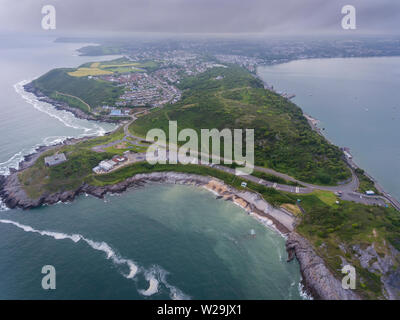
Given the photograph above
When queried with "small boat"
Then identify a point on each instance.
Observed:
(253, 232)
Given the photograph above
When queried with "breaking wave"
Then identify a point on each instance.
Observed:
(88, 128)
(155, 275)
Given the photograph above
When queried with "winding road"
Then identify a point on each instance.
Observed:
(347, 191)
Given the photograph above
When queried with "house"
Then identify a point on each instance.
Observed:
(54, 160)
(119, 159)
(369, 193)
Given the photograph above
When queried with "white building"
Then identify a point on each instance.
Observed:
(106, 165)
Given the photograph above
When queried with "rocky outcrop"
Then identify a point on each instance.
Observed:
(385, 265)
(318, 280)
(13, 194)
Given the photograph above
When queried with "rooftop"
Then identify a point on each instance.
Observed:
(55, 159)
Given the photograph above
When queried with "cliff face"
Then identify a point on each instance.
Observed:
(14, 196)
(319, 281)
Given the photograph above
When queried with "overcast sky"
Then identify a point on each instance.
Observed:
(201, 16)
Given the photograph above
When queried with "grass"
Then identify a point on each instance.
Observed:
(84, 72)
(121, 65)
(94, 92)
(71, 101)
(291, 208)
(129, 147)
(366, 183)
(39, 179)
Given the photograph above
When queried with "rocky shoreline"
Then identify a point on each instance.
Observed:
(64, 106)
(318, 281)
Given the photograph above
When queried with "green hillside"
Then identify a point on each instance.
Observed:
(284, 140)
(93, 92)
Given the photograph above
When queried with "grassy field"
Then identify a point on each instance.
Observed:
(284, 140)
(84, 72)
(121, 65)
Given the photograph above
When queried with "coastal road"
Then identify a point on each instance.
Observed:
(347, 191)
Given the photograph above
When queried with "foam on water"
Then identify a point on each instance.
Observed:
(154, 275)
(303, 292)
(153, 283)
(3, 206)
(14, 161)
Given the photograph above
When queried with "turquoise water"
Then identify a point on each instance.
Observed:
(193, 245)
(357, 101)
(179, 239)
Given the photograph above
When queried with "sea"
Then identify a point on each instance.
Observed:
(156, 242)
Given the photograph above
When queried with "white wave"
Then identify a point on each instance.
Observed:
(268, 223)
(55, 235)
(154, 276)
(111, 254)
(3, 206)
(174, 292)
(153, 283)
(303, 293)
(14, 161)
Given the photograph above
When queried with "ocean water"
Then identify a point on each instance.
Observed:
(158, 242)
(357, 101)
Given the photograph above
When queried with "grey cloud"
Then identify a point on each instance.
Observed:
(201, 16)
